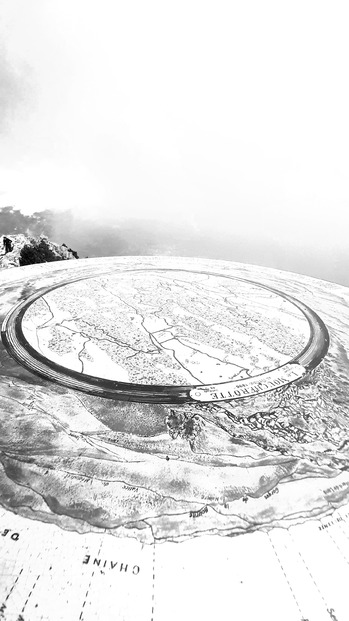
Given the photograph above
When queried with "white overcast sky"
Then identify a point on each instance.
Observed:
(233, 112)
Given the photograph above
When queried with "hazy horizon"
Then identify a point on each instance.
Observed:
(229, 119)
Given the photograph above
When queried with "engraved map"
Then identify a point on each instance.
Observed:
(160, 416)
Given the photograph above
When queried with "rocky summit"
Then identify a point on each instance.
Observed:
(19, 250)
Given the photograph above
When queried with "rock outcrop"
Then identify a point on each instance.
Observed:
(19, 250)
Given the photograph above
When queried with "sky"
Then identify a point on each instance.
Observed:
(227, 115)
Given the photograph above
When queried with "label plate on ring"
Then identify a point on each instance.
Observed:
(251, 386)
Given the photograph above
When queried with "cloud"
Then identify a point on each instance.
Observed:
(230, 115)
(11, 92)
